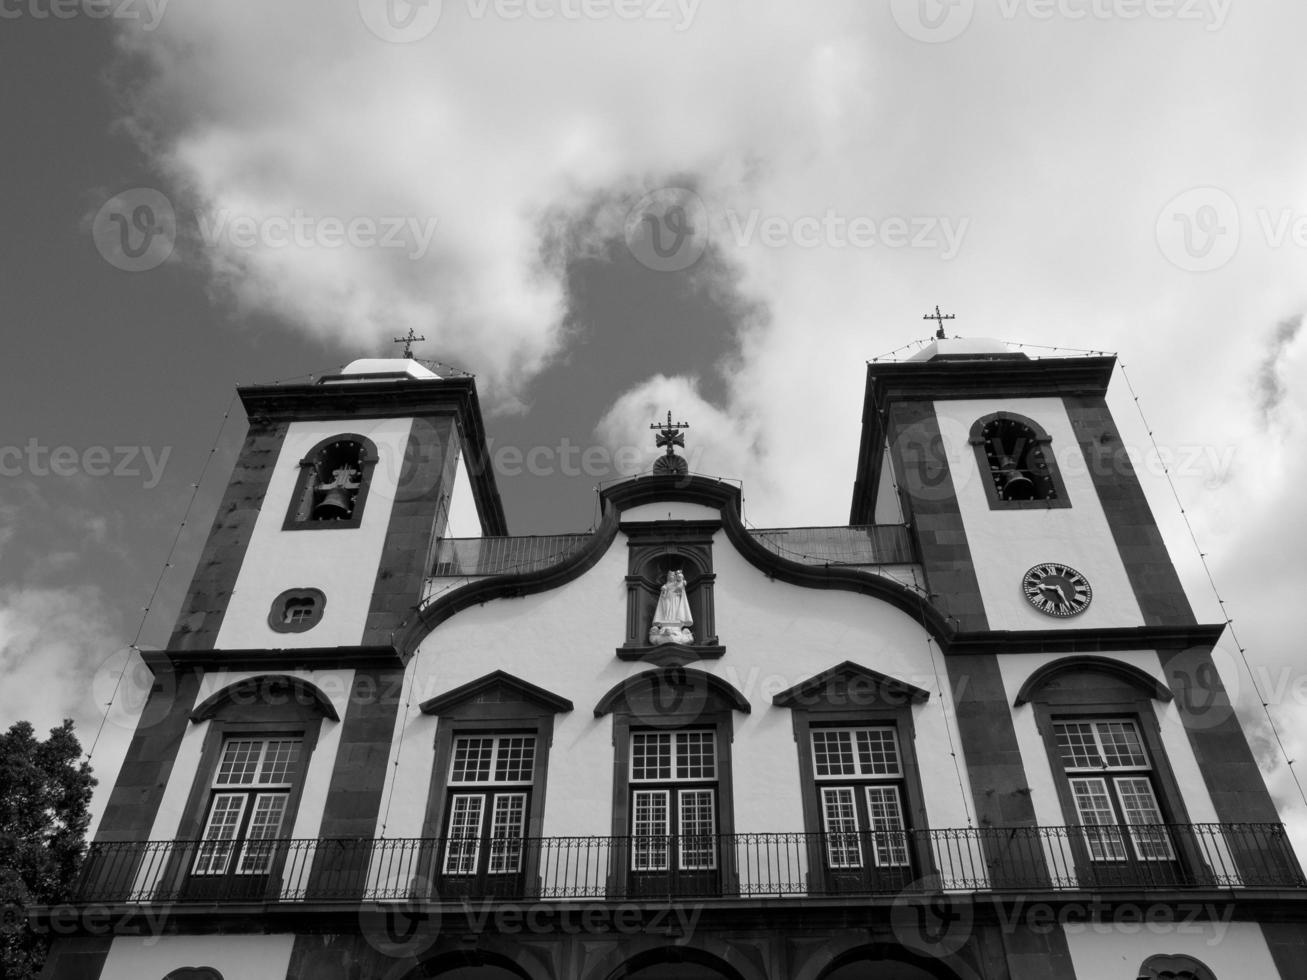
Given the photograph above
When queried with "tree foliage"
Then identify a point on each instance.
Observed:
(45, 794)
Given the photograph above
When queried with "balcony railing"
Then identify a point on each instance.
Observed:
(1040, 859)
(869, 545)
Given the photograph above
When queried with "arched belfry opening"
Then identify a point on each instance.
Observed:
(1016, 462)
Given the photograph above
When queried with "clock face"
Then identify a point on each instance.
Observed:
(1056, 589)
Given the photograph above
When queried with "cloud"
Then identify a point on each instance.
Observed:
(1270, 383)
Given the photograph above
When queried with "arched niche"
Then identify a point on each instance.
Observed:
(654, 550)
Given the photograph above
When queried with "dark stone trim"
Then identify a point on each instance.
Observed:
(857, 685)
(418, 517)
(1080, 641)
(392, 399)
(1127, 673)
(368, 458)
(1147, 563)
(304, 658)
(1220, 746)
(952, 379)
(202, 612)
(671, 654)
(988, 743)
(277, 614)
(703, 687)
(524, 691)
(358, 778)
(266, 689)
(148, 763)
(1283, 907)
(1287, 943)
(73, 957)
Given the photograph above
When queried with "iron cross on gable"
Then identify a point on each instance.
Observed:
(939, 318)
(408, 342)
(669, 434)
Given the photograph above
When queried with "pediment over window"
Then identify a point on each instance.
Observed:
(1081, 674)
(672, 691)
(270, 690)
(496, 688)
(850, 685)
(194, 973)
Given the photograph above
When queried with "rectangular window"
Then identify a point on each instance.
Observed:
(862, 816)
(678, 817)
(248, 808)
(488, 823)
(1119, 795)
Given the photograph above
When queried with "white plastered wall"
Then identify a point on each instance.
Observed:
(342, 562)
(252, 957)
(463, 520)
(565, 641)
(1004, 544)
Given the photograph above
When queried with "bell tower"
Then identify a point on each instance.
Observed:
(325, 533)
(1025, 507)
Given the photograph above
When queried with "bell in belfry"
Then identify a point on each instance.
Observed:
(337, 503)
(1014, 483)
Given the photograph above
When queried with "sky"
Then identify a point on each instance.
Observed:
(609, 209)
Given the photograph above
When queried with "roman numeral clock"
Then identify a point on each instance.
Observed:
(1056, 589)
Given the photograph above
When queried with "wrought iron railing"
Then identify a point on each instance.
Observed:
(870, 544)
(875, 544)
(1039, 859)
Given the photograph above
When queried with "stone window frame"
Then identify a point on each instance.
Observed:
(851, 696)
(255, 707)
(1043, 442)
(1093, 688)
(277, 614)
(368, 459)
(496, 704)
(698, 701)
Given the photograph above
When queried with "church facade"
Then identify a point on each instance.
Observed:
(974, 734)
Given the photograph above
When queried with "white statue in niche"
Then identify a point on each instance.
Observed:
(672, 619)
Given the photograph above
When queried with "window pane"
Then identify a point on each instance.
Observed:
(886, 814)
(843, 848)
(240, 762)
(464, 835)
(472, 757)
(219, 832)
(1141, 811)
(832, 752)
(265, 826)
(281, 759)
(878, 752)
(651, 755)
(1076, 745)
(1102, 834)
(1122, 748)
(698, 827)
(516, 759)
(696, 755)
(649, 830)
(507, 827)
